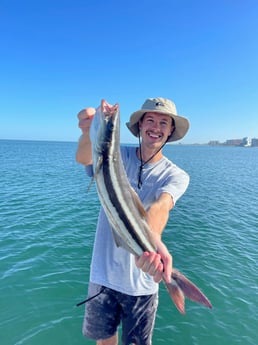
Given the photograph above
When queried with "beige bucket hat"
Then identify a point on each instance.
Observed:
(162, 106)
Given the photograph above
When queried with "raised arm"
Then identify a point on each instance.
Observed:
(83, 153)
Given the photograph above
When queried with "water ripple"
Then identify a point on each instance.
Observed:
(47, 230)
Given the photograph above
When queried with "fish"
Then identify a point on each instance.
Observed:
(122, 205)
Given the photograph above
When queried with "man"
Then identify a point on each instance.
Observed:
(124, 289)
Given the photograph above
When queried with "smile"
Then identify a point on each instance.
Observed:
(154, 135)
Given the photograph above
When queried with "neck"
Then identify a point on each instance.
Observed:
(149, 155)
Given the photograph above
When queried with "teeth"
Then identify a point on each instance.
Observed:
(154, 135)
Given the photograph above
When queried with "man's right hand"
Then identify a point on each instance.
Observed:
(83, 153)
(85, 118)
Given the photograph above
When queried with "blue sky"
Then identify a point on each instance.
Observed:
(59, 56)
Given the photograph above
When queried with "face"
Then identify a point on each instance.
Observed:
(155, 128)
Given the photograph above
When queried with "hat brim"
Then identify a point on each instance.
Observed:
(181, 124)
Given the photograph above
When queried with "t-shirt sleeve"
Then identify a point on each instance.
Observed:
(89, 170)
(175, 183)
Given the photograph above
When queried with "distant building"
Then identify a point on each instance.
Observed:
(246, 142)
(234, 142)
(254, 142)
(214, 143)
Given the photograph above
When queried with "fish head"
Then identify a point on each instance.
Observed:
(104, 130)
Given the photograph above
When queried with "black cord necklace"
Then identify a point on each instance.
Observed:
(144, 163)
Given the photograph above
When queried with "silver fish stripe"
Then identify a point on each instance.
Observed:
(122, 205)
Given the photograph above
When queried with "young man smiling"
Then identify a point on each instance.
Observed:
(124, 289)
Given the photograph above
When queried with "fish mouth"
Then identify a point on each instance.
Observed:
(108, 109)
(110, 113)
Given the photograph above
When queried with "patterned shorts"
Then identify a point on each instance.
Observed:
(106, 311)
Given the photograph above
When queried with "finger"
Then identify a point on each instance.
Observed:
(85, 123)
(167, 267)
(155, 264)
(86, 113)
(158, 274)
(151, 263)
(139, 260)
(144, 261)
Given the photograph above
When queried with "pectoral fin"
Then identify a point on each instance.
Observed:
(121, 243)
(98, 165)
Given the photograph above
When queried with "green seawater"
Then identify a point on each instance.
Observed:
(47, 224)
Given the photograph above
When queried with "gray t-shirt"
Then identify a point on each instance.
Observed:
(114, 267)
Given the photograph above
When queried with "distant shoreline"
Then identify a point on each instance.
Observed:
(131, 144)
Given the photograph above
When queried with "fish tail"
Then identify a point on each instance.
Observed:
(189, 289)
(176, 295)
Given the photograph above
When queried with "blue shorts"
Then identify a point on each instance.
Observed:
(106, 311)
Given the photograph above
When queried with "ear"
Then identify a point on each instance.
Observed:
(172, 130)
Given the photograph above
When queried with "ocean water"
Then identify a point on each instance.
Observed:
(47, 223)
